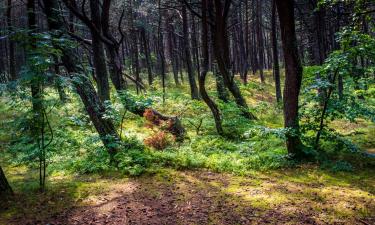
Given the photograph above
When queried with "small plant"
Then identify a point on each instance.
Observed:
(159, 140)
(150, 116)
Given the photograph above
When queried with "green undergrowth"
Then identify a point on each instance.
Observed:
(245, 147)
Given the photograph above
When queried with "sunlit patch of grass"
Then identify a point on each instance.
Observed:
(331, 198)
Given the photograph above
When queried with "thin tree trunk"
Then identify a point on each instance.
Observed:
(147, 55)
(12, 58)
(275, 53)
(260, 40)
(189, 66)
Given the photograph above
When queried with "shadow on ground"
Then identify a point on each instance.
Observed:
(301, 196)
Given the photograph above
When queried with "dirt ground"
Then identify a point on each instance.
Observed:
(202, 197)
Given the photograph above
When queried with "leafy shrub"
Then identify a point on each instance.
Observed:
(159, 140)
(95, 161)
(133, 162)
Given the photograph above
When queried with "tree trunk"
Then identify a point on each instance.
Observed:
(275, 53)
(147, 55)
(186, 46)
(260, 40)
(98, 53)
(202, 78)
(221, 51)
(293, 75)
(172, 53)
(12, 58)
(5, 188)
(222, 92)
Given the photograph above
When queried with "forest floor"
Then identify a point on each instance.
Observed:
(305, 195)
(205, 180)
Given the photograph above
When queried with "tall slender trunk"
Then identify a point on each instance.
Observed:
(186, 46)
(12, 58)
(147, 55)
(260, 40)
(202, 78)
(195, 46)
(172, 53)
(99, 54)
(275, 53)
(293, 75)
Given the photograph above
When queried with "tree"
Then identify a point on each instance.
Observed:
(218, 14)
(5, 188)
(12, 58)
(99, 59)
(293, 75)
(93, 105)
(275, 53)
(189, 64)
(202, 78)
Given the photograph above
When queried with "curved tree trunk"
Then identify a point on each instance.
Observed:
(219, 15)
(202, 78)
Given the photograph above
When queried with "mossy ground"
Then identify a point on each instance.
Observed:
(304, 195)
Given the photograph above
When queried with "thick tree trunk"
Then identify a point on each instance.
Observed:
(189, 66)
(222, 92)
(293, 75)
(5, 188)
(275, 53)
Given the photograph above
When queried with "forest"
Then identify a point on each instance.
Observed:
(187, 112)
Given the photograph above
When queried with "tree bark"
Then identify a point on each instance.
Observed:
(98, 53)
(293, 75)
(186, 46)
(260, 40)
(275, 53)
(5, 188)
(202, 78)
(12, 58)
(147, 55)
